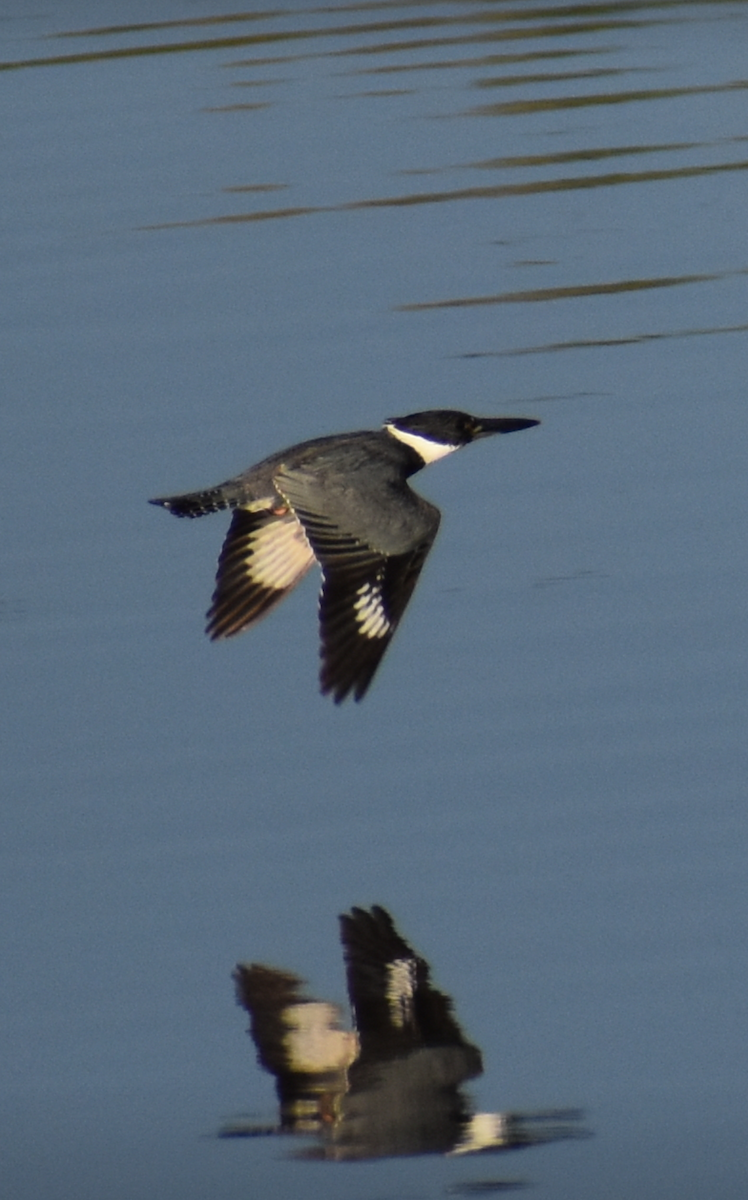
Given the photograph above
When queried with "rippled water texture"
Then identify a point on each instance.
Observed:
(224, 233)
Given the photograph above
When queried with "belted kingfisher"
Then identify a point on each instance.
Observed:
(343, 502)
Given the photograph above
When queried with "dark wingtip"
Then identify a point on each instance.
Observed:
(341, 690)
(338, 692)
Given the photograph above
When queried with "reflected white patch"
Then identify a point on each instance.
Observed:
(314, 1041)
(279, 554)
(401, 988)
(370, 615)
(428, 450)
(482, 1132)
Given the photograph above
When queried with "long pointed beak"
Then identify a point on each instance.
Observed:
(487, 425)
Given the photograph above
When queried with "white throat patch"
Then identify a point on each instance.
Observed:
(428, 450)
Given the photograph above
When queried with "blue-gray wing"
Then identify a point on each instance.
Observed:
(371, 552)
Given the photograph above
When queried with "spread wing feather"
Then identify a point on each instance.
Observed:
(365, 589)
(264, 556)
(396, 1006)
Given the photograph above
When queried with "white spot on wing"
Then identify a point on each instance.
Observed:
(370, 615)
(401, 987)
(428, 450)
(279, 554)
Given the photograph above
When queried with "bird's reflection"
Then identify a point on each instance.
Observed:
(394, 1085)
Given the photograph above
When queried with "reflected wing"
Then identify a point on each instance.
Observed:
(292, 1032)
(397, 1009)
(365, 588)
(264, 556)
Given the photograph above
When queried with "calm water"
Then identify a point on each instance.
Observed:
(223, 233)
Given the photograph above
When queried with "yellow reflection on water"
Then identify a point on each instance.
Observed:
(512, 108)
(568, 292)
(529, 188)
(597, 343)
(516, 23)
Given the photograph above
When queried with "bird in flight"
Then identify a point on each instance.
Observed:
(343, 502)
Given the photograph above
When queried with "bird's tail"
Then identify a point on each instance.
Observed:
(195, 504)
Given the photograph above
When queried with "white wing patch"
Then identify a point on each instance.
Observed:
(401, 990)
(369, 611)
(279, 554)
